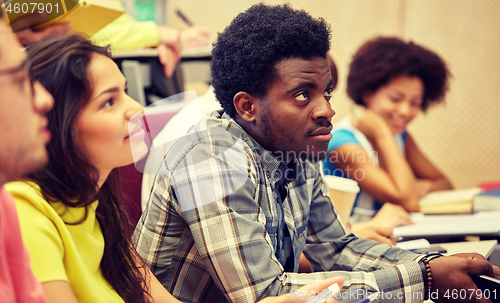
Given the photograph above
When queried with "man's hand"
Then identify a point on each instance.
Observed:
(479, 257)
(453, 273)
(300, 296)
(27, 35)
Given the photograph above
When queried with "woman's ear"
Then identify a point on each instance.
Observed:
(245, 105)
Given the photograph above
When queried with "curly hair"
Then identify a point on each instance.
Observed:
(382, 59)
(245, 54)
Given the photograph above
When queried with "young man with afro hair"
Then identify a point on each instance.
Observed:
(241, 195)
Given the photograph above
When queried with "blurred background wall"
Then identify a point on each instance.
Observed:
(462, 137)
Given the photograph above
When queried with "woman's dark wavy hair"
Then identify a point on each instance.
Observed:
(382, 59)
(61, 65)
(245, 55)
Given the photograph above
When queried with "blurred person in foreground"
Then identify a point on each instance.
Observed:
(23, 129)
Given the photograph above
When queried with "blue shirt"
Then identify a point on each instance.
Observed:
(344, 136)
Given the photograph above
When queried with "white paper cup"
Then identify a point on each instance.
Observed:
(342, 194)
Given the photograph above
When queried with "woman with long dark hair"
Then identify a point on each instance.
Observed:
(70, 212)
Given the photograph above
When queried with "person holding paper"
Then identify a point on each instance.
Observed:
(395, 81)
(128, 33)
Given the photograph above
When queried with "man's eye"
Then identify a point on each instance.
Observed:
(302, 97)
(328, 93)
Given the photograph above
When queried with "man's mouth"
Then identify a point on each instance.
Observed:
(322, 131)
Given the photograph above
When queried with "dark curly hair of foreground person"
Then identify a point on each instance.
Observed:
(382, 59)
(246, 53)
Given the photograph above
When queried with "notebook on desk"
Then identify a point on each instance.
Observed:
(480, 223)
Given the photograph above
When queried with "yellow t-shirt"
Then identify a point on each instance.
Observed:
(61, 251)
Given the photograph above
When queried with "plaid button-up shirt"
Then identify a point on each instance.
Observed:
(212, 230)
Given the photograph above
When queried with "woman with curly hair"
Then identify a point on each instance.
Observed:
(394, 81)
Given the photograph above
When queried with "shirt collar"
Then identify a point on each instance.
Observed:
(276, 171)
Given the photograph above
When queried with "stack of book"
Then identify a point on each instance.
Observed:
(462, 201)
(487, 200)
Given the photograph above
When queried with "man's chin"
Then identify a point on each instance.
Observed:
(37, 163)
(314, 156)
